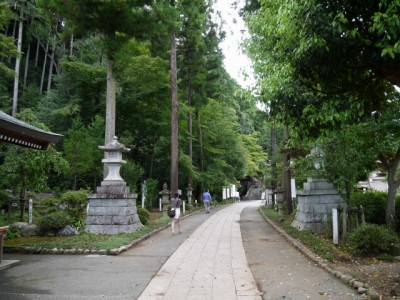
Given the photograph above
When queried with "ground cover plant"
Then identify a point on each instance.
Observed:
(88, 240)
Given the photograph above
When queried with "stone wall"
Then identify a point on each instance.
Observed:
(315, 203)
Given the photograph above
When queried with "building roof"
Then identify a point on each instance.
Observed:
(20, 133)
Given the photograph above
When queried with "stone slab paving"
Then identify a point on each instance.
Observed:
(209, 260)
(210, 264)
(280, 270)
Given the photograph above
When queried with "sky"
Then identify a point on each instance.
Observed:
(236, 62)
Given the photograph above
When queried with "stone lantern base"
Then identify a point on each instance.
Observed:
(315, 205)
(112, 210)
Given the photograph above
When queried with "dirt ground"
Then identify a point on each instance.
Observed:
(383, 277)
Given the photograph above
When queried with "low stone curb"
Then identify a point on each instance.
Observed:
(347, 279)
(116, 251)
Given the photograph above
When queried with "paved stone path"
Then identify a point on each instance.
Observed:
(231, 253)
(210, 264)
(280, 270)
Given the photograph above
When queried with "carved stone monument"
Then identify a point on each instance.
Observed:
(112, 209)
(280, 201)
(165, 193)
(315, 204)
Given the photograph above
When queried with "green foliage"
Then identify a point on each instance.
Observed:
(53, 222)
(84, 240)
(76, 203)
(386, 257)
(82, 152)
(78, 223)
(136, 45)
(4, 199)
(374, 239)
(223, 152)
(254, 154)
(315, 61)
(131, 173)
(143, 214)
(13, 233)
(6, 43)
(152, 195)
(30, 169)
(346, 159)
(373, 203)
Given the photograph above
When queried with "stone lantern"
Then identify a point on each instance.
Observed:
(112, 209)
(113, 162)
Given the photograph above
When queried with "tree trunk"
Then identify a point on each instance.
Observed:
(71, 46)
(44, 68)
(17, 66)
(37, 52)
(287, 182)
(13, 35)
(274, 180)
(110, 109)
(50, 75)
(190, 128)
(22, 199)
(28, 51)
(287, 174)
(110, 103)
(174, 119)
(153, 153)
(393, 185)
(200, 136)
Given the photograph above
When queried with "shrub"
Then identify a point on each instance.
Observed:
(152, 193)
(76, 203)
(374, 239)
(374, 205)
(54, 222)
(4, 199)
(13, 233)
(143, 214)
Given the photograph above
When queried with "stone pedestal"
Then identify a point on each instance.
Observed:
(112, 210)
(315, 205)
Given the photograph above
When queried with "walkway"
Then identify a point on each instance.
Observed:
(209, 261)
(210, 264)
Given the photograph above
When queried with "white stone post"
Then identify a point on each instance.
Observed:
(335, 223)
(30, 212)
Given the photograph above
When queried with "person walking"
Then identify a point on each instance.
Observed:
(176, 205)
(207, 201)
